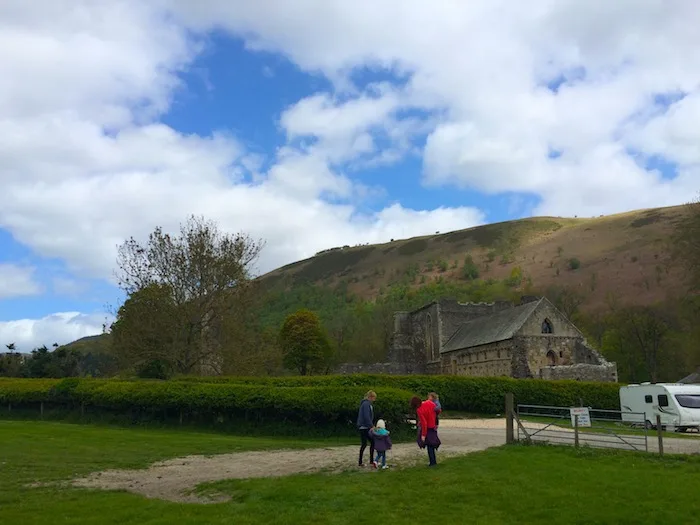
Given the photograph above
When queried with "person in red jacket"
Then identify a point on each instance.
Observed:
(426, 414)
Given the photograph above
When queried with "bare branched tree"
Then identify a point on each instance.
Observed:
(186, 295)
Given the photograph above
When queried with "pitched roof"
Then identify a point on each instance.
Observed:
(491, 328)
(692, 379)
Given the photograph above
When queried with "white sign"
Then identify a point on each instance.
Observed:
(584, 417)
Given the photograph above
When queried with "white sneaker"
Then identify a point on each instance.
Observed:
(385, 466)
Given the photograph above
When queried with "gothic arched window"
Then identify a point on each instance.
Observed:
(547, 327)
(551, 358)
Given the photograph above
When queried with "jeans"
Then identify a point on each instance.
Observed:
(381, 455)
(431, 455)
(365, 437)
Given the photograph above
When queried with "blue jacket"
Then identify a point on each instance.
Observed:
(365, 416)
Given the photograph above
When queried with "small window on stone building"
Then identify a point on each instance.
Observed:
(547, 327)
(561, 354)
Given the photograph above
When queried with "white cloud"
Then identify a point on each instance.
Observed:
(484, 66)
(85, 163)
(17, 281)
(60, 328)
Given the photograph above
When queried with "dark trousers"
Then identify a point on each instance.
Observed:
(365, 437)
(431, 455)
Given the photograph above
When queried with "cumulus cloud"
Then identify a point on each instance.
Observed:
(86, 162)
(513, 84)
(17, 281)
(564, 101)
(60, 328)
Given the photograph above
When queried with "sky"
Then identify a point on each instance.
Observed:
(319, 123)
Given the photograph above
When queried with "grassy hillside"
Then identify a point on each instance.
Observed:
(624, 254)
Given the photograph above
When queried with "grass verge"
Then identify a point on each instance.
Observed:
(514, 484)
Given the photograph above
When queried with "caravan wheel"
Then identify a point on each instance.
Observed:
(648, 425)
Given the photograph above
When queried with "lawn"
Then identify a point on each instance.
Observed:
(516, 484)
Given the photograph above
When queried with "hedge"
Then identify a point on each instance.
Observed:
(479, 395)
(209, 402)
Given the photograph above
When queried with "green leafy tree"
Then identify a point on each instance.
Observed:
(200, 285)
(470, 271)
(305, 345)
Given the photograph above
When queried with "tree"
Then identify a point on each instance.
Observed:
(189, 291)
(686, 244)
(305, 345)
(567, 300)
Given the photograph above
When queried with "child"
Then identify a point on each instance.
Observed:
(382, 443)
(438, 408)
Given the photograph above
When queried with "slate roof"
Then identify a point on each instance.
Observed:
(491, 328)
(692, 379)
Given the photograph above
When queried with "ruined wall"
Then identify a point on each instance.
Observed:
(494, 359)
(582, 372)
(547, 350)
(403, 354)
(425, 333)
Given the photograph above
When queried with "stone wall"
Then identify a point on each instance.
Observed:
(581, 372)
(402, 351)
(425, 333)
(546, 350)
(494, 359)
(561, 326)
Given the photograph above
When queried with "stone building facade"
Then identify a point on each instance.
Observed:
(532, 339)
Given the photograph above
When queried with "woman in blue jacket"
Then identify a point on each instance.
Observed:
(365, 421)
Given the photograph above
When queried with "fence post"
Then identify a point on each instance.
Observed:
(509, 418)
(660, 434)
(576, 430)
(41, 409)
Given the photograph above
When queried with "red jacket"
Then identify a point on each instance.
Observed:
(426, 417)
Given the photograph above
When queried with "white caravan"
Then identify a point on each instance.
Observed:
(677, 404)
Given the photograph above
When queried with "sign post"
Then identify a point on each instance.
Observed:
(584, 416)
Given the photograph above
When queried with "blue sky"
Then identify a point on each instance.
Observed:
(278, 122)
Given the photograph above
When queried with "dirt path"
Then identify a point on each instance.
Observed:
(175, 479)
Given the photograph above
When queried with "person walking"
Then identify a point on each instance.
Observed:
(365, 421)
(382, 443)
(426, 415)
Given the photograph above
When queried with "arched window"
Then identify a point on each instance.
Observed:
(547, 327)
(551, 358)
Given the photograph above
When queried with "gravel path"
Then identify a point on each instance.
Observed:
(175, 479)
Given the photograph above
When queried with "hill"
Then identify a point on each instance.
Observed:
(625, 256)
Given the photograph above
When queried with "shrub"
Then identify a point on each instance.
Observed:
(574, 264)
(263, 402)
(480, 395)
(470, 271)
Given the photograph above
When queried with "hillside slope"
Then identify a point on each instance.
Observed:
(624, 255)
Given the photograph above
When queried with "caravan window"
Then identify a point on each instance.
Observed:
(688, 400)
(648, 399)
(663, 400)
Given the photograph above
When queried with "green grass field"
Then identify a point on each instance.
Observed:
(517, 484)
